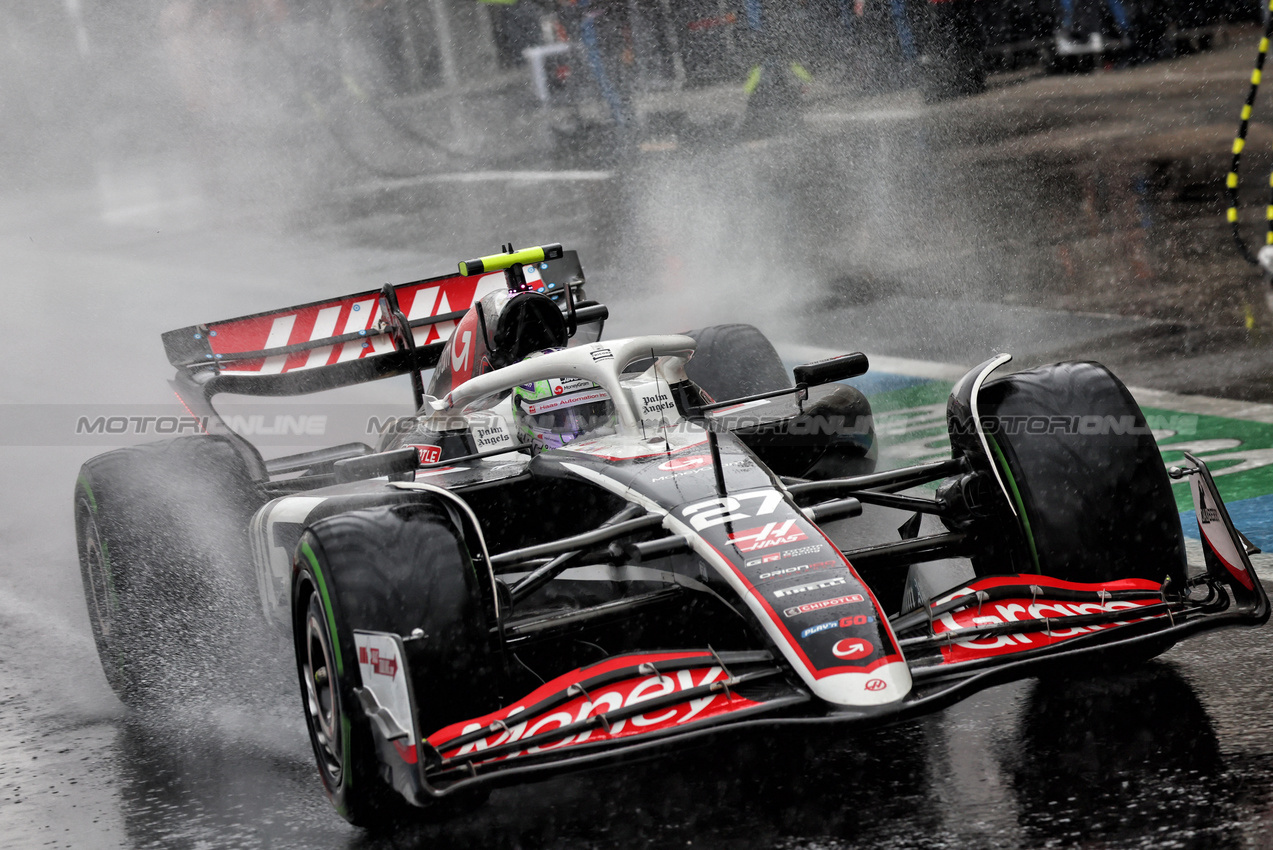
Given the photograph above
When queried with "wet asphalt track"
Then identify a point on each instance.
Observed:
(1178, 754)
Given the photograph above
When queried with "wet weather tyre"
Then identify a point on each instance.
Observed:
(733, 361)
(394, 569)
(1084, 472)
(161, 531)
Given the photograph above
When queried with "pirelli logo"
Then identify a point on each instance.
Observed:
(805, 588)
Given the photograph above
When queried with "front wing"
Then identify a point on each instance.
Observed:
(993, 630)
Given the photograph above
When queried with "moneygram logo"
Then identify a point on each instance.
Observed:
(680, 464)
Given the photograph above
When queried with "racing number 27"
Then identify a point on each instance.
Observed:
(725, 509)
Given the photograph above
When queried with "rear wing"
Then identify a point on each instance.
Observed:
(342, 341)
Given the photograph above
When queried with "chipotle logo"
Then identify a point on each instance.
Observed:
(428, 454)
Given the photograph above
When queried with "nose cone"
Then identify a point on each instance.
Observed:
(887, 683)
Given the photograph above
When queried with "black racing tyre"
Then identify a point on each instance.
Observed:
(391, 569)
(733, 361)
(1084, 472)
(162, 536)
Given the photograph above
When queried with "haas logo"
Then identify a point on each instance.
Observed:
(767, 536)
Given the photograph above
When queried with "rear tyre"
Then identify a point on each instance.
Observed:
(161, 531)
(732, 361)
(1093, 500)
(392, 569)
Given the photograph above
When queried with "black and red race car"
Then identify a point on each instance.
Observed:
(578, 550)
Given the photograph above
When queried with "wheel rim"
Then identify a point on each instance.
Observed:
(322, 703)
(97, 579)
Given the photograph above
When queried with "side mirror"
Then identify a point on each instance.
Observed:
(832, 369)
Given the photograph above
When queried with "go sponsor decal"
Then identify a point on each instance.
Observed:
(842, 623)
(820, 627)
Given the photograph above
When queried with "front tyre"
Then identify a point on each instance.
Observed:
(1092, 496)
(1080, 466)
(395, 570)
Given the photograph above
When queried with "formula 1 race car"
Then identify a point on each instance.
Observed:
(578, 551)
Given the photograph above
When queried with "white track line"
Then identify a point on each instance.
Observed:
(496, 177)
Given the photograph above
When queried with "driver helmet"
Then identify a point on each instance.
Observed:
(553, 412)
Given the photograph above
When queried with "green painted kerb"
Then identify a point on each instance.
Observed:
(1239, 450)
(327, 604)
(1016, 497)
